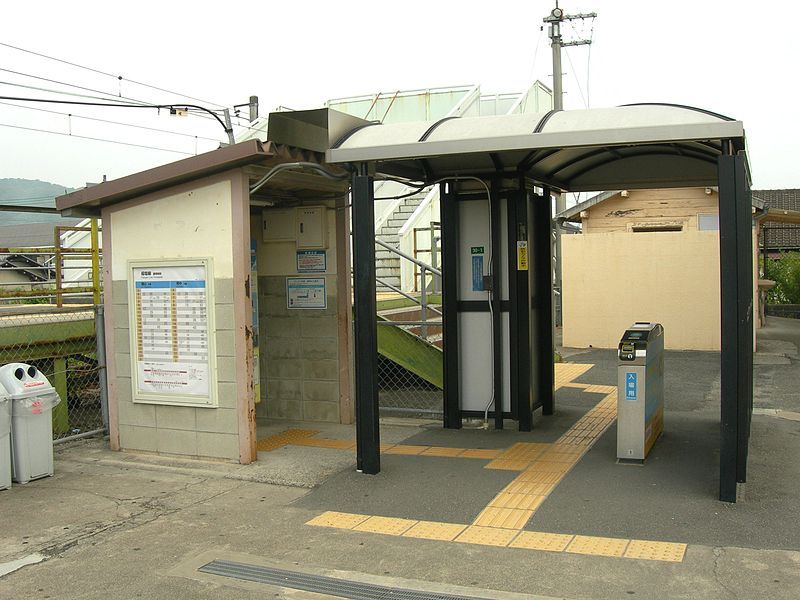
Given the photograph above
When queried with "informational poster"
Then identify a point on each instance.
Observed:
(171, 333)
(522, 255)
(477, 253)
(305, 292)
(311, 261)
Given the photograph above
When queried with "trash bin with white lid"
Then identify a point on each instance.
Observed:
(32, 402)
(5, 439)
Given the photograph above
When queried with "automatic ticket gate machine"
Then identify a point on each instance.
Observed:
(640, 391)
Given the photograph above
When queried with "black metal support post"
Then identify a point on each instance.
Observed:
(449, 217)
(519, 312)
(736, 290)
(366, 330)
(496, 301)
(541, 293)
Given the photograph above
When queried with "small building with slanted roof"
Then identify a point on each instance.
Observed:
(644, 255)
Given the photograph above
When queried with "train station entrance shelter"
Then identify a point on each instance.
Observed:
(524, 160)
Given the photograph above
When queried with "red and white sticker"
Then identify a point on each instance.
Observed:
(30, 384)
(36, 407)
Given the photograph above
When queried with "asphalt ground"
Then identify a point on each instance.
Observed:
(121, 525)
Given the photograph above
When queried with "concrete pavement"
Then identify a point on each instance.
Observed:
(120, 525)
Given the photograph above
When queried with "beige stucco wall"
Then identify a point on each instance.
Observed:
(612, 279)
(190, 222)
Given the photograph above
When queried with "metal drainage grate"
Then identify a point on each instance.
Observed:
(320, 584)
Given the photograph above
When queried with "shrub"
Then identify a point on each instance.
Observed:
(785, 271)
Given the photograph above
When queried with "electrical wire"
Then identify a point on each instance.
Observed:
(72, 85)
(113, 99)
(96, 139)
(119, 78)
(74, 116)
(575, 75)
(109, 94)
(63, 93)
(106, 104)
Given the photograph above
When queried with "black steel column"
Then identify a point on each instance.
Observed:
(736, 291)
(540, 224)
(449, 265)
(497, 302)
(366, 329)
(519, 313)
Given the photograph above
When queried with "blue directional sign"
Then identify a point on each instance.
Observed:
(630, 386)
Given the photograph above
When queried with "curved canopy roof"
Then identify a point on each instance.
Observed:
(635, 146)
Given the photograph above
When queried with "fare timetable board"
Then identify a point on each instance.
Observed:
(172, 334)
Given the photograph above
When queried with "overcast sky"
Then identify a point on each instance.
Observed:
(726, 56)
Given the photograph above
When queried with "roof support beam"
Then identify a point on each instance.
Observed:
(366, 328)
(736, 290)
(540, 220)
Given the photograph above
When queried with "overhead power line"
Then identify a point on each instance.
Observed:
(96, 139)
(72, 85)
(119, 78)
(74, 116)
(172, 107)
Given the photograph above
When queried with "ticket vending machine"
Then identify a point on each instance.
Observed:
(640, 391)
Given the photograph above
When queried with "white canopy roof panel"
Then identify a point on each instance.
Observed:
(648, 145)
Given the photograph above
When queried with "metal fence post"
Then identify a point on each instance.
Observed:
(100, 334)
(424, 304)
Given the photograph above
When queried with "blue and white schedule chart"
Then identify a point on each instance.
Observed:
(172, 330)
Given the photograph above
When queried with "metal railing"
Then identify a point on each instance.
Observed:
(422, 301)
(432, 249)
(67, 343)
(47, 269)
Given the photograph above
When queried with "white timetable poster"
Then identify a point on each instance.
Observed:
(172, 331)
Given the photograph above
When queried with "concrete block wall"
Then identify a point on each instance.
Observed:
(191, 223)
(299, 355)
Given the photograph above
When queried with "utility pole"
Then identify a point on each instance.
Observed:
(554, 21)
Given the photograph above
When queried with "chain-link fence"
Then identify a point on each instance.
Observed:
(62, 344)
(409, 371)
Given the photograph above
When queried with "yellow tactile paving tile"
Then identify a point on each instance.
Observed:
(337, 520)
(284, 438)
(535, 540)
(385, 447)
(325, 443)
(386, 525)
(436, 451)
(503, 518)
(597, 546)
(431, 530)
(520, 501)
(524, 451)
(662, 551)
(567, 372)
(508, 465)
(544, 466)
(504, 536)
(487, 536)
(406, 450)
(531, 478)
(534, 488)
(488, 453)
(561, 457)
